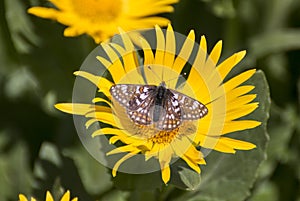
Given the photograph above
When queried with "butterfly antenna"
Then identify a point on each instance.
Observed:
(149, 67)
(162, 73)
(178, 77)
(161, 80)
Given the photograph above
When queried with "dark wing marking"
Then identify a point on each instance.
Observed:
(141, 103)
(172, 116)
(123, 93)
(142, 97)
(137, 99)
(191, 109)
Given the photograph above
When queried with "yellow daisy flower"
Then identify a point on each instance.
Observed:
(65, 197)
(101, 19)
(224, 103)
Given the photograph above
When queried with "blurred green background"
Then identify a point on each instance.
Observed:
(39, 147)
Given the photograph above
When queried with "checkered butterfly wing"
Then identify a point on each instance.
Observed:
(171, 118)
(191, 109)
(137, 99)
(122, 93)
(141, 107)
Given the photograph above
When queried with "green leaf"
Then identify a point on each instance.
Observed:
(8, 55)
(95, 177)
(21, 82)
(183, 177)
(274, 42)
(231, 176)
(141, 182)
(190, 178)
(15, 172)
(57, 173)
(20, 27)
(267, 191)
(281, 126)
(223, 8)
(116, 195)
(49, 101)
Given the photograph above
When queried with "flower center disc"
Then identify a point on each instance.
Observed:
(164, 137)
(97, 10)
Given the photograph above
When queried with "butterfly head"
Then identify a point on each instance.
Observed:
(163, 84)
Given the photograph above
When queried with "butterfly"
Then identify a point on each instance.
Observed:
(150, 104)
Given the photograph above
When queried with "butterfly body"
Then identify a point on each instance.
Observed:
(158, 105)
(165, 108)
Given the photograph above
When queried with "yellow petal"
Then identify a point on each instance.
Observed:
(240, 112)
(191, 163)
(62, 5)
(117, 165)
(237, 92)
(239, 79)
(221, 147)
(185, 52)
(105, 62)
(114, 139)
(164, 157)
(200, 59)
(101, 100)
(79, 108)
(128, 45)
(216, 52)
(66, 196)
(90, 122)
(123, 149)
(151, 10)
(229, 145)
(73, 31)
(237, 144)
(49, 196)
(180, 146)
(135, 36)
(203, 44)
(22, 197)
(48, 13)
(166, 174)
(106, 130)
(116, 69)
(195, 155)
(170, 47)
(240, 101)
(160, 46)
(129, 56)
(130, 63)
(154, 71)
(200, 90)
(225, 67)
(105, 117)
(239, 125)
(153, 152)
(217, 76)
(101, 82)
(149, 22)
(207, 141)
(148, 54)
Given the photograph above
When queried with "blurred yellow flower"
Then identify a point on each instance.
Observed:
(101, 18)
(65, 197)
(225, 102)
